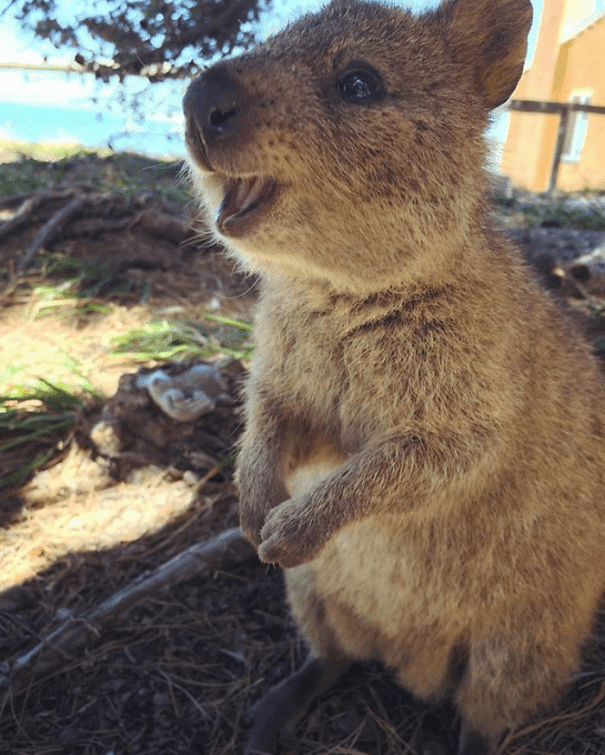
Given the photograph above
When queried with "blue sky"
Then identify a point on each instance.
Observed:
(38, 106)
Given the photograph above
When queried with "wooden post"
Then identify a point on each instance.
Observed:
(563, 109)
(561, 136)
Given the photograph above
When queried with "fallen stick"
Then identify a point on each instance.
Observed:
(59, 219)
(225, 550)
(30, 203)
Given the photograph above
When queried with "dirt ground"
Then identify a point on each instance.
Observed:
(176, 672)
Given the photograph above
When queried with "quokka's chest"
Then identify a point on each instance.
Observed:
(356, 382)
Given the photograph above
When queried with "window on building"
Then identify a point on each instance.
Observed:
(576, 128)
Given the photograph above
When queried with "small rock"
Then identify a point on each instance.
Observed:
(184, 396)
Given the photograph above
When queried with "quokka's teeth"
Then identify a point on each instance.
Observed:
(249, 191)
(242, 196)
(255, 191)
(230, 204)
(242, 193)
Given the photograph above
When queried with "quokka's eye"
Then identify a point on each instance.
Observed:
(359, 85)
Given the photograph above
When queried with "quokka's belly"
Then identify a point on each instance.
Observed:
(380, 591)
(378, 607)
(306, 462)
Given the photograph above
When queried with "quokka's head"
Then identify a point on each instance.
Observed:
(349, 147)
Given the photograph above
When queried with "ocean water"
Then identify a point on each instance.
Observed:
(90, 127)
(159, 136)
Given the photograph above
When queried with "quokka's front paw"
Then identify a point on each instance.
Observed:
(259, 491)
(251, 520)
(288, 537)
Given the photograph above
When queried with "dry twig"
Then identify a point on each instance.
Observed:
(49, 229)
(225, 550)
(28, 204)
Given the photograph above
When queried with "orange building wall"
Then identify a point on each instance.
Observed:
(555, 72)
(585, 69)
(527, 152)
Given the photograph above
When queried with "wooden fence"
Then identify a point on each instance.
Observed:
(563, 109)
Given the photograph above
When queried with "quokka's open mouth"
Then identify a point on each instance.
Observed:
(243, 202)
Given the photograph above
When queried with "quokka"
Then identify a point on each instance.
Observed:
(424, 451)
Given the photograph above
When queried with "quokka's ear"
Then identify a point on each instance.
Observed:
(490, 38)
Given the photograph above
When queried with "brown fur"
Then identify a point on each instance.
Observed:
(424, 448)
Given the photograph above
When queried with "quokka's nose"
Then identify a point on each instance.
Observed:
(213, 106)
